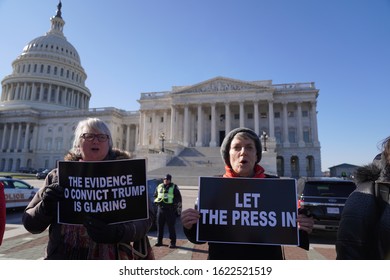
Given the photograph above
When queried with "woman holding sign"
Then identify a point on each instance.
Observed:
(94, 239)
(241, 151)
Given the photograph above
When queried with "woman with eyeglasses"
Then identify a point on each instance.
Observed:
(95, 239)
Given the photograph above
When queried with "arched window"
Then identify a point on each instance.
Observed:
(310, 166)
(294, 166)
(280, 166)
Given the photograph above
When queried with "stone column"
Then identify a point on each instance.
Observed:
(41, 92)
(26, 137)
(173, 124)
(128, 137)
(286, 143)
(242, 116)
(228, 126)
(3, 147)
(256, 116)
(33, 91)
(144, 130)
(11, 138)
(22, 93)
(154, 133)
(137, 132)
(271, 119)
(186, 124)
(58, 95)
(213, 142)
(314, 127)
(199, 140)
(301, 143)
(18, 137)
(17, 91)
(50, 93)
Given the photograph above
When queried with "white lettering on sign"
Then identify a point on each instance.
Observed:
(254, 218)
(216, 217)
(247, 200)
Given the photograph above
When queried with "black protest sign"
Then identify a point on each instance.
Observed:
(112, 191)
(246, 210)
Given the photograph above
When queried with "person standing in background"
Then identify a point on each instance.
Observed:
(168, 199)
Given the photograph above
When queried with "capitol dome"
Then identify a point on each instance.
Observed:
(48, 74)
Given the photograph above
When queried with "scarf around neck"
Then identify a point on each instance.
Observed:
(259, 172)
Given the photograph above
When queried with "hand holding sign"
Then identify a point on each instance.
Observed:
(50, 196)
(101, 232)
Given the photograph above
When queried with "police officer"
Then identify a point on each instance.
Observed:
(168, 198)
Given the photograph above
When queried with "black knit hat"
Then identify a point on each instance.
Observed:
(225, 146)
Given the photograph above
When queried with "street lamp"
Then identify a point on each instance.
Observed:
(265, 136)
(162, 138)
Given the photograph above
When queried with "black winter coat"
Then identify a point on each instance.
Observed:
(364, 231)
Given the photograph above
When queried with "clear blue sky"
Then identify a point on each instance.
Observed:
(132, 46)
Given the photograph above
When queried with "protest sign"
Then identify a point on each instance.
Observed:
(247, 210)
(113, 191)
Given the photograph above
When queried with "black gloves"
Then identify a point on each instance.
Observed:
(100, 232)
(50, 196)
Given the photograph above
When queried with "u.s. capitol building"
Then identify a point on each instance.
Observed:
(45, 96)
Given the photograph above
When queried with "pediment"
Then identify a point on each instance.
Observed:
(220, 84)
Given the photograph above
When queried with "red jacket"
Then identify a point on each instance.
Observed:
(2, 212)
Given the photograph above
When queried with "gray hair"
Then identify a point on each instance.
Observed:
(91, 124)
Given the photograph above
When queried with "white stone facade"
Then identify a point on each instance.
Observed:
(45, 97)
(200, 115)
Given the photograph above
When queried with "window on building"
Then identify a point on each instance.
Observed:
(162, 119)
(306, 135)
(55, 70)
(305, 113)
(37, 93)
(58, 144)
(35, 68)
(277, 115)
(48, 69)
(250, 116)
(48, 144)
(294, 166)
(290, 114)
(45, 94)
(292, 135)
(53, 95)
(42, 67)
(263, 115)
(280, 166)
(236, 116)
(310, 166)
(278, 135)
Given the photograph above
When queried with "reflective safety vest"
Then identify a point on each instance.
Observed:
(166, 197)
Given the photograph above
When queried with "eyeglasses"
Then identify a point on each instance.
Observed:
(91, 136)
